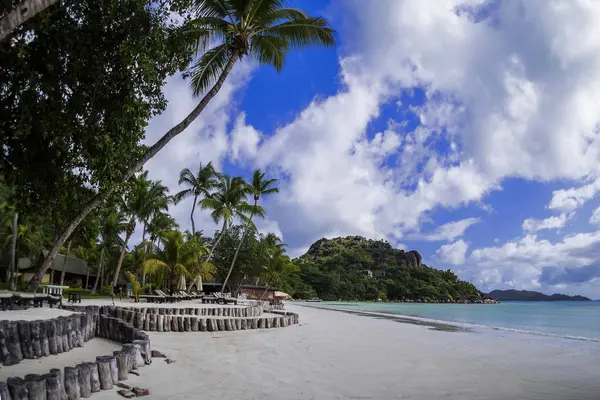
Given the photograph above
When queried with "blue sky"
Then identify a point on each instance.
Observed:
(466, 130)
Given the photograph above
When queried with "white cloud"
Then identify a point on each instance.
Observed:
(571, 199)
(555, 222)
(448, 231)
(595, 218)
(244, 139)
(453, 253)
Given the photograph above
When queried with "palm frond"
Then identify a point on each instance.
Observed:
(303, 32)
(209, 67)
(269, 49)
(210, 8)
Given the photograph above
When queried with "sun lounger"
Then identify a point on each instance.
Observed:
(167, 297)
(151, 298)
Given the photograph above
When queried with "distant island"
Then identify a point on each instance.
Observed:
(527, 295)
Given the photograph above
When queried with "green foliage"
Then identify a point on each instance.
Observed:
(355, 268)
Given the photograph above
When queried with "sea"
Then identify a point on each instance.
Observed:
(577, 320)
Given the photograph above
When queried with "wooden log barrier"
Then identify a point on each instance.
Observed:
(129, 349)
(180, 326)
(160, 323)
(122, 367)
(4, 392)
(72, 383)
(220, 325)
(202, 325)
(13, 343)
(25, 338)
(186, 324)
(139, 360)
(94, 377)
(71, 335)
(64, 333)
(53, 385)
(36, 387)
(104, 372)
(145, 350)
(57, 372)
(243, 325)
(85, 379)
(174, 324)
(17, 388)
(227, 324)
(36, 343)
(44, 342)
(194, 324)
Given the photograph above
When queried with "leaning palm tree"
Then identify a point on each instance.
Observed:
(177, 258)
(264, 29)
(227, 204)
(197, 185)
(258, 188)
(114, 224)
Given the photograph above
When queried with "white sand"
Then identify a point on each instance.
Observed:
(333, 355)
(32, 314)
(91, 349)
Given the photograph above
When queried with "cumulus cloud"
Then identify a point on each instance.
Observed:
(453, 253)
(448, 231)
(535, 225)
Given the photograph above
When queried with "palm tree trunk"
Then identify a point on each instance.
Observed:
(237, 250)
(87, 278)
(151, 152)
(20, 14)
(13, 253)
(265, 292)
(192, 215)
(64, 266)
(212, 249)
(119, 263)
(144, 258)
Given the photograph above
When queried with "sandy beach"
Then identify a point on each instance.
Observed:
(334, 355)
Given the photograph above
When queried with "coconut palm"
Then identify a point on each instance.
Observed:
(197, 185)
(258, 188)
(114, 223)
(229, 203)
(144, 199)
(160, 222)
(264, 29)
(278, 263)
(178, 258)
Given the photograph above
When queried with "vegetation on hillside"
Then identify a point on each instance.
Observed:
(527, 295)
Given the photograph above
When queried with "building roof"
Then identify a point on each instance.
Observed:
(73, 265)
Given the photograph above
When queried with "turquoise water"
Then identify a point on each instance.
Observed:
(579, 320)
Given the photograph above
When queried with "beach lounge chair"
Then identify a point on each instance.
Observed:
(151, 298)
(169, 298)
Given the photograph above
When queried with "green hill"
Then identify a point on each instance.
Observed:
(527, 295)
(356, 268)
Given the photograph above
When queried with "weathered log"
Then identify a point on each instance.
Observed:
(83, 325)
(13, 343)
(104, 373)
(202, 325)
(227, 324)
(94, 377)
(238, 324)
(139, 320)
(255, 323)
(44, 342)
(72, 383)
(77, 329)
(53, 385)
(129, 349)
(139, 360)
(85, 380)
(152, 327)
(174, 324)
(146, 322)
(36, 387)
(17, 388)
(55, 336)
(71, 335)
(65, 333)
(4, 392)
(123, 368)
(220, 324)
(145, 350)
(114, 371)
(36, 343)
(180, 326)
(25, 338)
(186, 324)
(243, 325)
(5, 356)
(194, 324)
(62, 393)
(160, 323)
(276, 322)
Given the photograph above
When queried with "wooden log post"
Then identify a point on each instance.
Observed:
(71, 335)
(104, 373)
(261, 323)
(276, 322)
(114, 371)
(186, 324)
(255, 323)
(129, 349)
(145, 350)
(57, 373)
(44, 342)
(85, 380)
(243, 324)
(5, 356)
(227, 324)
(55, 336)
(160, 323)
(139, 320)
(194, 324)
(77, 327)
(13, 343)
(53, 385)
(146, 322)
(202, 325)
(220, 324)
(72, 383)
(65, 333)
(17, 388)
(4, 392)
(36, 342)
(94, 377)
(122, 365)
(83, 325)
(139, 360)
(36, 387)
(174, 323)
(211, 325)
(180, 326)
(25, 338)
(153, 319)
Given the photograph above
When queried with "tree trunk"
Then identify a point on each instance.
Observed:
(212, 249)
(119, 263)
(20, 14)
(13, 253)
(145, 251)
(238, 248)
(99, 273)
(192, 215)
(64, 266)
(265, 292)
(151, 152)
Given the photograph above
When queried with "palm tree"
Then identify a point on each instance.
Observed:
(259, 187)
(178, 258)
(263, 29)
(229, 203)
(159, 223)
(199, 185)
(278, 263)
(142, 201)
(114, 224)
